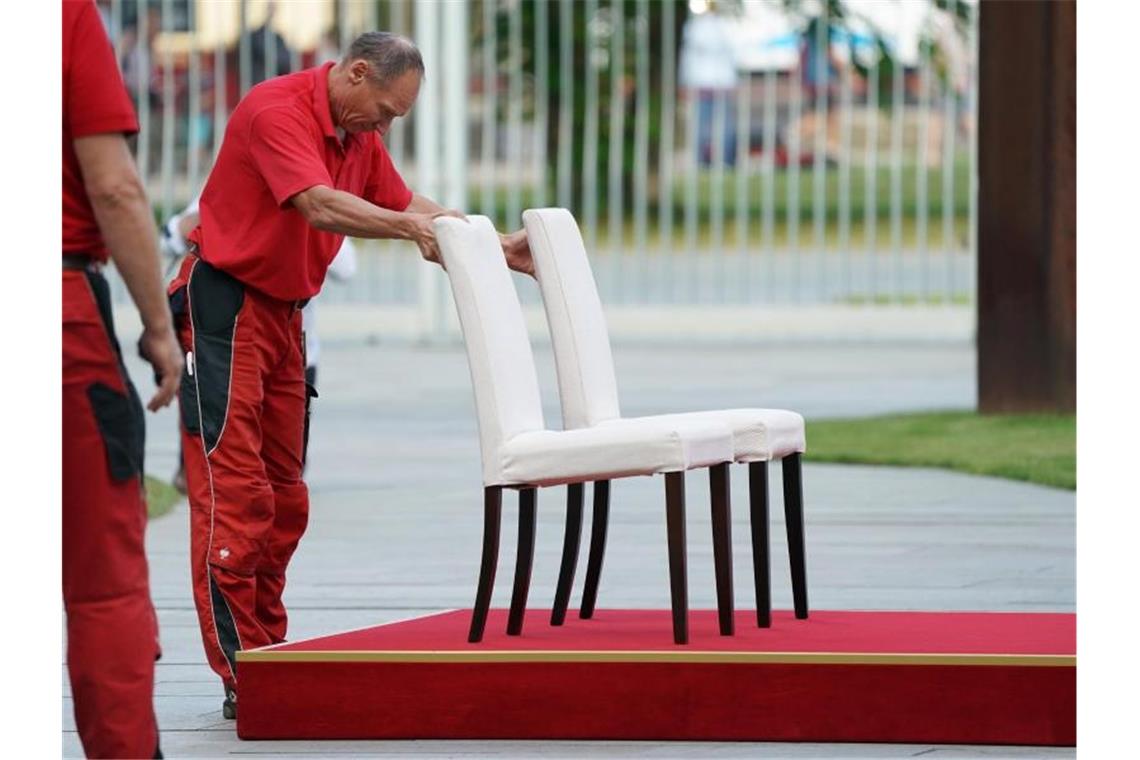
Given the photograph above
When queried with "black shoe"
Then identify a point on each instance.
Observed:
(229, 706)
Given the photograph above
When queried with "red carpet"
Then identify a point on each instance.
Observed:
(923, 677)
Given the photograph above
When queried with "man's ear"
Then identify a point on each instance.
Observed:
(358, 71)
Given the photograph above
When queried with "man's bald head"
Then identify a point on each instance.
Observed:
(389, 56)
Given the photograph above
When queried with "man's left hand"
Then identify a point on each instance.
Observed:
(516, 250)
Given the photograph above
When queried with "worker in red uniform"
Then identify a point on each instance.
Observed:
(301, 166)
(112, 634)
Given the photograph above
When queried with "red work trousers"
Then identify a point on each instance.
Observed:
(243, 407)
(112, 633)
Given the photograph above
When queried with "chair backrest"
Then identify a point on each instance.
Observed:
(507, 400)
(586, 381)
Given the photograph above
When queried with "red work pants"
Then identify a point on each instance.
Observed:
(112, 634)
(243, 407)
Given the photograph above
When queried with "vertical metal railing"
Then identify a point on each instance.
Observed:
(142, 62)
(641, 146)
(541, 114)
(514, 122)
(739, 254)
(871, 184)
(616, 149)
(852, 183)
(821, 122)
(194, 136)
(489, 129)
(168, 118)
(666, 151)
(949, 135)
(792, 232)
(768, 198)
(897, 108)
(921, 195)
(565, 197)
(589, 207)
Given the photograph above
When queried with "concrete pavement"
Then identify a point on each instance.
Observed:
(396, 523)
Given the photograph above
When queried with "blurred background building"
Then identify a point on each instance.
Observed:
(740, 168)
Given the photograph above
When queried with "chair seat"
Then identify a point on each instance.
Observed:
(758, 435)
(618, 449)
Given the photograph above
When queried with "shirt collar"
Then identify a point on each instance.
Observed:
(321, 100)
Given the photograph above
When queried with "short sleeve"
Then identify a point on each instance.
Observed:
(284, 152)
(95, 98)
(385, 186)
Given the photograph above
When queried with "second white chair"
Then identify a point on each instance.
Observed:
(588, 389)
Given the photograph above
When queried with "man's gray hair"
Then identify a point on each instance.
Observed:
(389, 55)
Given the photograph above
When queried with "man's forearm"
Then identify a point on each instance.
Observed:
(346, 214)
(124, 218)
(421, 204)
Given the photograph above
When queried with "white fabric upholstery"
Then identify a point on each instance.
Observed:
(586, 381)
(584, 362)
(758, 435)
(615, 449)
(516, 448)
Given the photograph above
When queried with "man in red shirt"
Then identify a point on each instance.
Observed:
(301, 166)
(112, 634)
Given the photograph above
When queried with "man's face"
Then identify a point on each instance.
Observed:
(370, 106)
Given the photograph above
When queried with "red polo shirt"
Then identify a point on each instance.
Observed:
(94, 102)
(280, 140)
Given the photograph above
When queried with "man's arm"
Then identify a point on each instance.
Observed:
(344, 213)
(124, 216)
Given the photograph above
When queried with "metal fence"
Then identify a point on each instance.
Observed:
(756, 153)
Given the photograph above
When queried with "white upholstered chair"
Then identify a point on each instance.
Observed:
(517, 449)
(588, 389)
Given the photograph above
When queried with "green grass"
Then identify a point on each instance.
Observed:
(160, 497)
(1035, 448)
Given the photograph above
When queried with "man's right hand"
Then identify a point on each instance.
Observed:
(425, 235)
(160, 348)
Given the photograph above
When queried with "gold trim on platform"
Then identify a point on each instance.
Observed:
(750, 658)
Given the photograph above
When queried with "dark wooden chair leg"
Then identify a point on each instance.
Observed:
(794, 516)
(492, 514)
(523, 561)
(678, 575)
(570, 542)
(722, 544)
(761, 565)
(599, 523)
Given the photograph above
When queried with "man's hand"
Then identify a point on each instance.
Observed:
(516, 250)
(425, 235)
(159, 347)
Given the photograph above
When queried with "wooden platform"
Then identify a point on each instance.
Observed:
(914, 677)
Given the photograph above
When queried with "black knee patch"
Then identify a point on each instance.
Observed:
(119, 417)
(118, 414)
(214, 300)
